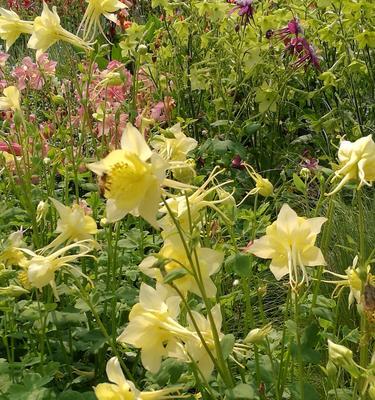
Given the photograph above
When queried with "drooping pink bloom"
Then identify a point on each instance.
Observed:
(3, 58)
(307, 56)
(11, 148)
(244, 7)
(46, 65)
(293, 28)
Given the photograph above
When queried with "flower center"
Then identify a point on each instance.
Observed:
(127, 178)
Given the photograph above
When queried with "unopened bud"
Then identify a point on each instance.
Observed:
(331, 370)
(305, 173)
(12, 291)
(58, 100)
(41, 210)
(256, 336)
(142, 49)
(342, 357)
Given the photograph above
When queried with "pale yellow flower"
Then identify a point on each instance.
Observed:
(186, 208)
(40, 270)
(262, 185)
(95, 9)
(9, 251)
(175, 146)
(11, 27)
(290, 243)
(173, 248)
(122, 389)
(11, 99)
(73, 224)
(153, 327)
(132, 178)
(357, 162)
(47, 31)
(350, 280)
(195, 348)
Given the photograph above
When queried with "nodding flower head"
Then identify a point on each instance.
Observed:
(245, 9)
(293, 28)
(306, 55)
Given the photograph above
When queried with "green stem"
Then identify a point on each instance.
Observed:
(299, 347)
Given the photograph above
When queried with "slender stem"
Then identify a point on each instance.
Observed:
(299, 347)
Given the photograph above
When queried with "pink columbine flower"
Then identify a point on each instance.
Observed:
(244, 8)
(12, 148)
(3, 58)
(46, 65)
(307, 56)
(293, 28)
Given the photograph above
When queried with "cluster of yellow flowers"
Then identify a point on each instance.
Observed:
(46, 29)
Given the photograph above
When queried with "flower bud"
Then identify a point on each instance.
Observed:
(12, 291)
(305, 173)
(256, 336)
(331, 370)
(58, 100)
(342, 357)
(142, 49)
(41, 210)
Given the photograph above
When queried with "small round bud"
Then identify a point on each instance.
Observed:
(142, 49)
(58, 100)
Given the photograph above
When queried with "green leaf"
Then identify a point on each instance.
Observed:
(242, 265)
(299, 184)
(227, 343)
(251, 128)
(73, 395)
(309, 392)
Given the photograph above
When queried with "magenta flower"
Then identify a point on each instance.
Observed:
(237, 162)
(307, 55)
(293, 28)
(244, 9)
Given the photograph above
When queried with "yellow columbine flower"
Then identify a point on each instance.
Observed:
(11, 27)
(73, 224)
(122, 389)
(289, 242)
(132, 178)
(186, 208)
(357, 162)
(153, 327)
(194, 346)
(94, 10)
(209, 263)
(9, 252)
(41, 269)
(47, 31)
(11, 99)
(176, 146)
(262, 185)
(351, 280)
